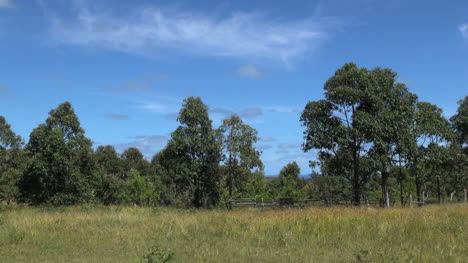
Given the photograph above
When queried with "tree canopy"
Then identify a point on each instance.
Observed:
(374, 140)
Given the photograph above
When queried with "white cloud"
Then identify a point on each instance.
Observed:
(148, 145)
(6, 4)
(250, 71)
(248, 113)
(153, 32)
(153, 106)
(262, 147)
(116, 116)
(289, 146)
(282, 109)
(464, 30)
(267, 139)
(129, 86)
(221, 111)
(3, 88)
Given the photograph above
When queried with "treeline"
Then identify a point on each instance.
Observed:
(374, 141)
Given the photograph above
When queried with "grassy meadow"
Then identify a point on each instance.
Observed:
(125, 234)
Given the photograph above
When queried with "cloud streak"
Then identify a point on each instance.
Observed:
(464, 30)
(6, 4)
(154, 31)
(148, 145)
(267, 139)
(262, 146)
(129, 86)
(284, 146)
(116, 116)
(153, 107)
(250, 113)
(250, 71)
(3, 88)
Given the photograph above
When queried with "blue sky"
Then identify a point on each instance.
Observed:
(127, 65)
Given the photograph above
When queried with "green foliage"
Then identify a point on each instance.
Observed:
(133, 159)
(460, 121)
(339, 126)
(12, 159)
(61, 164)
(157, 255)
(141, 191)
(256, 186)
(241, 159)
(193, 154)
(291, 170)
(368, 123)
(329, 188)
(8, 185)
(373, 138)
(108, 160)
(425, 151)
(111, 189)
(8, 139)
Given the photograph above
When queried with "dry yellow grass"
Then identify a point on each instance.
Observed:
(123, 234)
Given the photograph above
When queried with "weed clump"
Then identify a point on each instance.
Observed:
(157, 255)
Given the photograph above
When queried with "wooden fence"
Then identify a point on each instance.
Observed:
(290, 203)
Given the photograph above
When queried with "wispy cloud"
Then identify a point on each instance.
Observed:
(289, 146)
(153, 106)
(3, 88)
(116, 116)
(464, 30)
(6, 4)
(249, 113)
(155, 31)
(140, 83)
(282, 151)
(267, 139)
(282, 109)
(262, 147)
(170, 110)
(250, 71)
(148, 145)
(129, 86)
(246, 113)
(224, 112)
(171, 116)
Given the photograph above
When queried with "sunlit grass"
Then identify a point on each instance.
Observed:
(123, 234)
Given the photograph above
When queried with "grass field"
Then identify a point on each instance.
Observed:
(125, 234)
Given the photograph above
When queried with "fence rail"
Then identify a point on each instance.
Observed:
(253, 202)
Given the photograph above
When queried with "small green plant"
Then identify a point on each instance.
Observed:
(157, 255)
(2, 220)
(362, 256)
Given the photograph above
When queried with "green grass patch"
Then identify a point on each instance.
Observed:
(131, 234)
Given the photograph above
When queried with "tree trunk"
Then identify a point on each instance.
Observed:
(198, 198)
(418, 192)
(438, 190)
(402, 199)
(356, 183)
(385, 197)
(230, 183)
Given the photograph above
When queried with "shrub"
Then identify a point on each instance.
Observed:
(157, 255)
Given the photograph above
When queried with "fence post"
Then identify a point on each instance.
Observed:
(410, 200)
(465, 195)
(451, 195)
